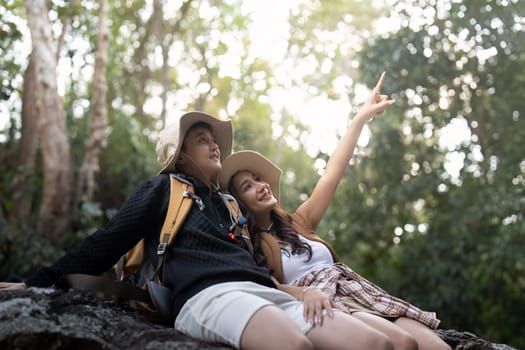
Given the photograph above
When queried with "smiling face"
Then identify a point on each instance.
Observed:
(200, 154)
(253, 192)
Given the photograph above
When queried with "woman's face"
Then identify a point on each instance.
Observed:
(201, 154)
(253, 192)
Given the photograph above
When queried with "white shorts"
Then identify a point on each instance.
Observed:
(220, 313)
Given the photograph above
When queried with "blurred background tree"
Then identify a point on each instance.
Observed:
(432, 205)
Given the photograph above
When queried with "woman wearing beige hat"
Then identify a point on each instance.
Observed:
(305, 265)
(218, 293)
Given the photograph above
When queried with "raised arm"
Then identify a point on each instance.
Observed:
(314, 208)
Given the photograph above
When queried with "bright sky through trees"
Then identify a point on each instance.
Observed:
(269, 32)
(325, 117)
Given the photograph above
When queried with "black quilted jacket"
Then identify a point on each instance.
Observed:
(202, 254)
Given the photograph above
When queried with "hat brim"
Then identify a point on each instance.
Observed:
(222, 131)
(253, 162)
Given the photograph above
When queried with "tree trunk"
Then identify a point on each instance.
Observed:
(99, 120)
(55, 208)
(27, 149)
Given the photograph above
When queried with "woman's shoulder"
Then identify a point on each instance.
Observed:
(301, 223)
(160, 180)
(154, 186)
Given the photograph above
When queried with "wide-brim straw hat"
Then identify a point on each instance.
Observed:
(171, 138)
(253, 162)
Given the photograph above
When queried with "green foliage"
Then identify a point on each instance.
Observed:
(326, 36)
(466, 264)
(22, 251)
(9, 35)
(128, 160)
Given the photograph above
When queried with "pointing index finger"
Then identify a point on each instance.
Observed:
(380, 82)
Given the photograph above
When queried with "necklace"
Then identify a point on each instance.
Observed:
(268, 229)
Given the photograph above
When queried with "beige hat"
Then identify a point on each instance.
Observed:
(171, 138)
(254, 162)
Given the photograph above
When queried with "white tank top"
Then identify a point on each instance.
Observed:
(296, 266)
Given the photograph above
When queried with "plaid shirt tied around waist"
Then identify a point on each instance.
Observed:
(339, 281)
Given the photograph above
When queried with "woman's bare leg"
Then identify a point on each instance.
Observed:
(271, 328)
(426, 338)
(401, 339)
(347, 332)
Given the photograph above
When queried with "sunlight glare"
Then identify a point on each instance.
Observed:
(454, 134)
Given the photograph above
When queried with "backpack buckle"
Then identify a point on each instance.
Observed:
(161, 249)
(195, 198)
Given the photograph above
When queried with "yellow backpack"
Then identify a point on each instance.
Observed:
(136, 277)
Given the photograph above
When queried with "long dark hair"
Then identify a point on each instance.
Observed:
(282, 226)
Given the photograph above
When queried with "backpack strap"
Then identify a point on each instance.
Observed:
(181, 195)
(238, 218)
(181, 199)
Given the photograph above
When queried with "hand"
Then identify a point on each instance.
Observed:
(4, 286)
(315, 300)
(375, 103)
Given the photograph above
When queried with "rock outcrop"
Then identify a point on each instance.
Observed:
(52, 319)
